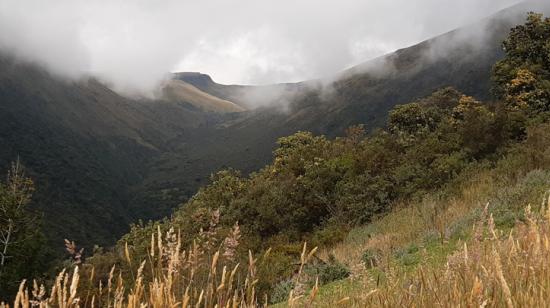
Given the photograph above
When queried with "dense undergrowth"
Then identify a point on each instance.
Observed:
(434, 209)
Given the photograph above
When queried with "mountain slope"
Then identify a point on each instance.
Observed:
(177, 90)
(84, 145)
(462, 58)
(361, 95)
(101, 161)
(249, 97)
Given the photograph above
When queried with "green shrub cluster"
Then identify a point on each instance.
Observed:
(370, 258)
(327, 272)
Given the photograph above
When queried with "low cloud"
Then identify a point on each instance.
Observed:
(132, 45)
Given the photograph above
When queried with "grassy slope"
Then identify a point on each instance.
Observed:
(424, 237)
(444, 251)
(177, 90)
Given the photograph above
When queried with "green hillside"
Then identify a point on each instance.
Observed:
(447, 204)
(417, 178)
(84, 146)
(95, 154)
(361, 95)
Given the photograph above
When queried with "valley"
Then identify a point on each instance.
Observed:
(411, 178)
(125, 159)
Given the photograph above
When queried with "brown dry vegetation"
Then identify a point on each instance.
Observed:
(176, 278)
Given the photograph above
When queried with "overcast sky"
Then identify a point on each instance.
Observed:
(132, 44)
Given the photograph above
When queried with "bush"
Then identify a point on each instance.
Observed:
(370, 258)
(327, 272)
(504, 206)
(329, 235)
(408, 256)
(281, 291)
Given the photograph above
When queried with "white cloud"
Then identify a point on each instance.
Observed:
(133, 44)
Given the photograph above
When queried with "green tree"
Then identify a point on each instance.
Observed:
(522, 78)
(22, 245)
(411, 119)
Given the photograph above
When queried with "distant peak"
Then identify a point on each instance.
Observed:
(195, 78)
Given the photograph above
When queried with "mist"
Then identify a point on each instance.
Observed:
(133, 45)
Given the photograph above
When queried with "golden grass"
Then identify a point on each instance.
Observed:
(409, 222)
(178, 278)
(491, 270)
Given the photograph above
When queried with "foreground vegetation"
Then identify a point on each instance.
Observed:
(477, 258)
(443, 206)
(415, 255)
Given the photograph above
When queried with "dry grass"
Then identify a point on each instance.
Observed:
(176, 278)
(491, 270)
(484, 268)
(409, 222)
(182, 91)
(487, 268)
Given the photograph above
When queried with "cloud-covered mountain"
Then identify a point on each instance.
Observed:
(101, 160)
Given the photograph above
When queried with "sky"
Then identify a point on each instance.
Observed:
(132, 45)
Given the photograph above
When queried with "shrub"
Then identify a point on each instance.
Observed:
(370, 258)
(408, 256)
(281, 291)
(327, 272)
(330, 235)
